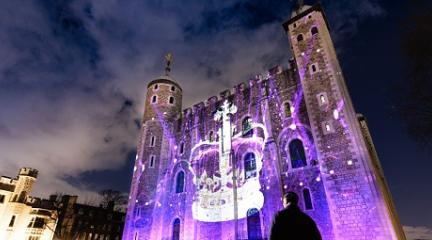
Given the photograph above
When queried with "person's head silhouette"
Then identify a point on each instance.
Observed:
(290, 198)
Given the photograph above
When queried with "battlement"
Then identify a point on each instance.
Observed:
(29, 172)
(256, 81)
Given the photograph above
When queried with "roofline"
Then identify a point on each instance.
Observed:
(315, 7)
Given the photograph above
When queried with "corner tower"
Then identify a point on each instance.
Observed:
(356, 201)
(163, 103)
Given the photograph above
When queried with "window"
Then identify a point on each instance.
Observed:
(176, 229)
(181, 148)
(33, 238)
(173, 88)
(307, 199)
(254, 224)
(37, 222)
(154, 99)
(136, 236)
(327, 127)
(156, 87)
(152, 160)
(314, 30)
(152, 141)
(299, 37)
(211, 137)
(250, 165)
(180, 180)
(313, 68)
(171, 100)
(322, 99)
(12, 221)
(297, 153)
(247, 126)
(2, 198)
(287, 109)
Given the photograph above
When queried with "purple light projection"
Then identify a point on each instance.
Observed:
(229, 185)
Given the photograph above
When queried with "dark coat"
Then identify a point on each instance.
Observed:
(292, 223)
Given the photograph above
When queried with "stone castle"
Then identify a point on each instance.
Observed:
(24, 216)
(219, 170)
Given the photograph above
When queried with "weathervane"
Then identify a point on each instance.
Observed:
(169, 60)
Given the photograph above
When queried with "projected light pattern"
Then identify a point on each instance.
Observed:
(222, 167)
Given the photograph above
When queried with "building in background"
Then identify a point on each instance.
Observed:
(23, 217)
(219, 170)
(85, 222)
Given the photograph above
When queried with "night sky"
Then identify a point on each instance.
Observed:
(73, 75)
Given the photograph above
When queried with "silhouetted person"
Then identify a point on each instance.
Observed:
(292, 223)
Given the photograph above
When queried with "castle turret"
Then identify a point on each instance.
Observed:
(162, 107)
(355, 200)
(26, 178)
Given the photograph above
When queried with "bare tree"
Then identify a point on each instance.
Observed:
(109, 196)
(413, 97)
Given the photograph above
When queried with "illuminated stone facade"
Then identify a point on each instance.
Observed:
(219, 169)
(23, 217)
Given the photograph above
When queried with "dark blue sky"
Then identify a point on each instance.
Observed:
(73, 77)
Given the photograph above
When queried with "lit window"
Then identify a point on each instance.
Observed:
(154, 99)
(152, 160)
(322, 99)
(152, 141)
(307, 199)
(299, 38)
(314, 30)
(250, 165)
(171, 100)
(327, 127)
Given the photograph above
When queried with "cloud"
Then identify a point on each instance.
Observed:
(418, 233)
(73, 74)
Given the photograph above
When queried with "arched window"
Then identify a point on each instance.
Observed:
(247, 126)
(250, 165)
(307, 199)
(172, 88)
(156, 87)
(171, 100)
(314, 30)
(297, 154)
(180, 182)
(254, 224)
(287, 109)
(154, 99)
(299, 37)
(176, 229)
